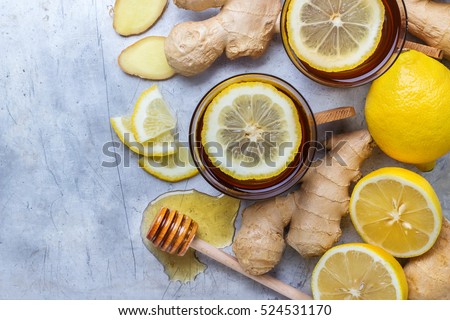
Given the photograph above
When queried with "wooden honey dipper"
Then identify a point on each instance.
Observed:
(174, 233)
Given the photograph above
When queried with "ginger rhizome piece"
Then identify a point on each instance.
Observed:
(241, 28)
(259, 243)
(323, 198)
(430, 21)
(136, 16)
(428, 275)
(314, 211)
(146, 59)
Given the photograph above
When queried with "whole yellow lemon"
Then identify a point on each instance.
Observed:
(408, 110)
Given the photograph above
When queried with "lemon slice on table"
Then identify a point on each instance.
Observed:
(398, 210)
(358, 271)
(171, 168)
(160, 146)
(334, 35)
(251, 130)
(151, 116)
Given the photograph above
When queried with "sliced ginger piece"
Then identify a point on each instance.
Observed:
(146, 59)
(136, 16)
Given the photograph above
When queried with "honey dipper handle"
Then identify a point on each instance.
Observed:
(231, 262)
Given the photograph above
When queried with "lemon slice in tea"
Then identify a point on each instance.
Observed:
(251, 130)
(398, 210)
(334, 35)
(358, 271)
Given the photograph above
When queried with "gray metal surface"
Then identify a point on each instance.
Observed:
(69, 227)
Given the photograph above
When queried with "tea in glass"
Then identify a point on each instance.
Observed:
(343, 43)
(251, 136)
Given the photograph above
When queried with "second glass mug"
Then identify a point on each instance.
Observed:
(389, 47)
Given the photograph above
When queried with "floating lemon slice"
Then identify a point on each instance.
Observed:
(151, 116)
(160, 146)
(398, 210)
(358, 271)
(251, 130)
(334, 35)
(171, 168)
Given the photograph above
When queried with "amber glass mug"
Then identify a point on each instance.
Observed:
(258, 188)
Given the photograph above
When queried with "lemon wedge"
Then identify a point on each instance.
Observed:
(334, 35)
(171, 168)
(160, 146)
(251, 130)
(151, 116)
(358, 271)
(398, 210)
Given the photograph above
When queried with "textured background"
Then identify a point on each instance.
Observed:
(69, 227)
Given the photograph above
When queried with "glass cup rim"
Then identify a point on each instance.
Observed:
(253, 194)
(361, 80)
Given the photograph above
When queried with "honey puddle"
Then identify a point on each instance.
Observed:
(215, 217)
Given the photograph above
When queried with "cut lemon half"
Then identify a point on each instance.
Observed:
(160, 146)
(251, 130)
(358, 271)
(172, 168)
(334, 35)
(398, 210)
(151, 116)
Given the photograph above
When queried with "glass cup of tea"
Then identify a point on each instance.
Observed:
(244, 112)
(381, 57)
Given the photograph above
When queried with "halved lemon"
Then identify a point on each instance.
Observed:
(251, 130)
(334, 35)
(171, 168)
(358, 271)
(151, 116)
(398, 210)
(160, 146)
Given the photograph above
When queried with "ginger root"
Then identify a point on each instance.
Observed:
(241, 28)
(314, 211)
(430, 21)
(428, 275)
(259, 243)
(323, 198)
